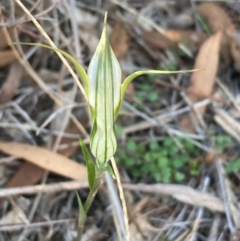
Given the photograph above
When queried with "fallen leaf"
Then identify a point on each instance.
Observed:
(119, 40)
(46, 159)
(208, 57)
(6, 57)
(172, 37)
(3, 41)
(30, 174)
(215, 16)
(157, 40)
(218, 20)
(11, 83)
(27, 174)
(202, 82)
(192, 38)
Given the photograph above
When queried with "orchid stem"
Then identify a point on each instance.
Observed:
(99, 174)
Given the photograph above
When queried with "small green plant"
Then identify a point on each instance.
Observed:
(104, 93)
(147, 93)
(162, 161)
(222, 142)
(233, 166)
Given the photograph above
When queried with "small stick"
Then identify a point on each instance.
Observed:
(43, 188)
(121, 193)
(39, 27)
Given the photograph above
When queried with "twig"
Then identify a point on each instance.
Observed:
(39, 27)
(116, 207)
(55, 113)
(43, 188)
(16, 227)
(38, 80)
(6, 160)
(228, 123)
(189, 91)
(228, 94)
(214, 229)
(33, 208)
(193, 235)
(121, 193)
(225, 197)
(165, 117)
(182, 193)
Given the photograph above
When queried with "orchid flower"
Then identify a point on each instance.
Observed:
(104, 92)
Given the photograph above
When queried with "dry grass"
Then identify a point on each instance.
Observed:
(49, 100)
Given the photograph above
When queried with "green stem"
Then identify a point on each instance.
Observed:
(99, 174)
(94, 190)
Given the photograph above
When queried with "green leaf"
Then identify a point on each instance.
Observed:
(184, 158)
(129, 162)
(141, 149)
(147, 157)
(163, 162)
(233, 166)
(146, 87)
(131, 146)
(77, 65)
(118, 130)
(195, 168)
(110, 171)
(82, 214)
(166, 174)
(163, 152)
(177, 163)
(136, 173)
(153, 96)
(168, 143)
(179, 176)
(223, 141)
(132, 76)
(174, 150)
(90, 164)
(156, 155)
(154, 146)
(157, 176)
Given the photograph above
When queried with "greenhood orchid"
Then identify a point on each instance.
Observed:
(104, 92)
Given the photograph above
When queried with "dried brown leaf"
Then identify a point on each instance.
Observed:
(6, 57)
(216, 17)
(3, 41)
(46, 159)
(120, 40)
(202, 82)
(157, 40)
(172, 37)
(219, 20)
(27, 174)
(30, 174)
(11, 84)
(208, 57)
